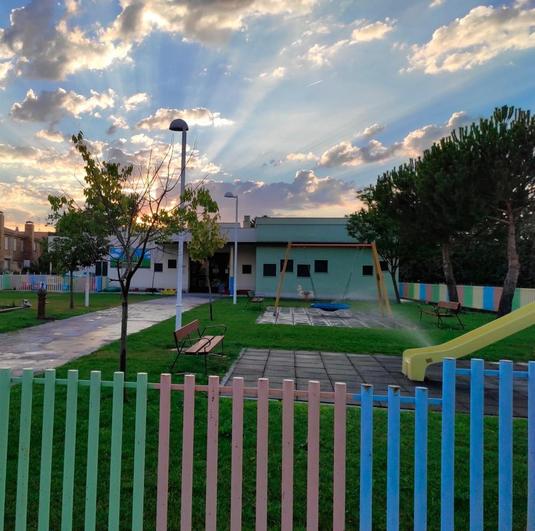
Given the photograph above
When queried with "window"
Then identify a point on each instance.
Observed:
(303, 270)
(384, 266)
(6, 244)
(270, 270)
(171, 263)
(321, 266)
(158, 267)
(367, 270)
(289, 266)
(246, 269)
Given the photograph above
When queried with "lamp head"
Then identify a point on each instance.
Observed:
(178, 125)
(231, 195)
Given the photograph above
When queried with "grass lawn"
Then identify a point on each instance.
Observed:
(57, 306)
(149, 351)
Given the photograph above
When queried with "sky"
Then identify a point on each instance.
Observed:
(292, 105)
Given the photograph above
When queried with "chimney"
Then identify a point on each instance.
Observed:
(246, 222)
(29, 241)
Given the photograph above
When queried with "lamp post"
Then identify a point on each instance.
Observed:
(235, 286)
(180, 125)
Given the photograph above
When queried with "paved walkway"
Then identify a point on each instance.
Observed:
(355, 369)
(54, 343)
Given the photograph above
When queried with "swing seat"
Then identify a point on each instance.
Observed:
(330, 306)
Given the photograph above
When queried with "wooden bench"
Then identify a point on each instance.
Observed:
(253, 299)
(443, 310)
(190, 340)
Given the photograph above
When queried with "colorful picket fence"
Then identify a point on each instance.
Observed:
(476, 297)
(237, 392)
(53, 283)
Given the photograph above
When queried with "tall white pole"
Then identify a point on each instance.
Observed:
(235, 290)
(181, 237)
(86, 289)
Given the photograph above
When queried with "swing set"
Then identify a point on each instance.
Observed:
(382, 296)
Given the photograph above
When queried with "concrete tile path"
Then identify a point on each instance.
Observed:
(52, 344)
(355, 369)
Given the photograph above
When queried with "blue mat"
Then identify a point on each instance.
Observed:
(330, 306)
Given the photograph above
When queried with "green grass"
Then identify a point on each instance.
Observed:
(150, 351)
(57, 306)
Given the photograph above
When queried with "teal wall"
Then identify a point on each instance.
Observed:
(331, 285)
(318, 230)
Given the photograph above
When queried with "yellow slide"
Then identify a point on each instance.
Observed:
(416, 360)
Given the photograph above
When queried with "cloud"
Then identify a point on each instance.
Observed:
(196, 116)
(142, 139)
(372, 31)
(436, 3)
(347, 154)
(136, 100)
(42, 46)
(117, 122)
(371, 130)
(301, 157)
(276, 73)
(481, 35)
(52, 106)
(50, 135)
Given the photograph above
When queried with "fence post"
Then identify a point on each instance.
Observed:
(287, 486)
(366, 456)
(505, 446)
(163, 452)
(531, 446)
(237, 455)
(420, 458)
(114, 505)
(313, 455)
(138, 491)
(5, 391)
(46, 450)
(188, 432)
(212, 454)
(392, 467)
(339, 463)
(262, 426)
(447, 486)
(477, 409)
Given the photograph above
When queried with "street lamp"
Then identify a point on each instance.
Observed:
(235, 286)
(180, 125)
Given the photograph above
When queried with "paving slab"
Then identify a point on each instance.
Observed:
(56, 342)
(378, 370)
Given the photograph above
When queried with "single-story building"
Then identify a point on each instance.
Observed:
(330, 272)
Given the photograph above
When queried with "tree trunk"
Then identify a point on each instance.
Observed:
(209, 289)
(395, 283)
(449, 277)
(71, 289)
(124, 329)
(513, 266)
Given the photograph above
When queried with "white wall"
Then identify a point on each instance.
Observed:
(246, 255)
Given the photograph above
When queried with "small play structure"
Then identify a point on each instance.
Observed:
(332, 306)
(416, 360)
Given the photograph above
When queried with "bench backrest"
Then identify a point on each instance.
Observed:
(451, 306)
(187, 329)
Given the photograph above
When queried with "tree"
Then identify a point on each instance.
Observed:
(206, 239)
(503, 147)
(135, 210)
(79, 240)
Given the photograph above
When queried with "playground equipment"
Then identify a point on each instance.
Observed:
(382, 296)
(416, 360)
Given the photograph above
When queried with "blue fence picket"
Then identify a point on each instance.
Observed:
(505, 447)
(477, 397)
(531, 446)
(447, 485)
(392, 466)
(366, 456)
(420, 458)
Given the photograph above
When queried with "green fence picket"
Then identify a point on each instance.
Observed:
(23, 468)
(92, 452)
(116, 451)
(5, 391)
(69, 451)
(139, 452)
(46, 449)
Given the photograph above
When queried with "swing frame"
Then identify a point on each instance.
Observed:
(382, 296)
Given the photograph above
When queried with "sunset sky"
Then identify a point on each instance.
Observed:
(292, 104)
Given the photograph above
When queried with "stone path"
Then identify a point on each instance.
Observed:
(52, 344)
(317, 317)
(355, 369)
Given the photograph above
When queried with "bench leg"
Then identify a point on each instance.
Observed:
(174, 363)
(460, 322)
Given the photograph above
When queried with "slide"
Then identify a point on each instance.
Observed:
(416, 360)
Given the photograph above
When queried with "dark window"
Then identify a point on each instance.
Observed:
(104, 269)
(158, 267)
(289, 266)
(246, 269)
(367, 270)
(171, 263)
(321, 266)
(270, 270)
(98, 269)
(303, 270)
(384, 266)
